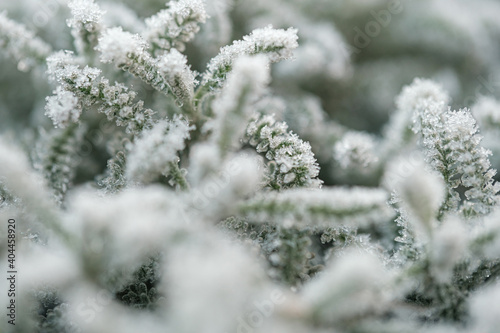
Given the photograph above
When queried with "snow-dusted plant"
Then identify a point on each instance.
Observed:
(162, 177)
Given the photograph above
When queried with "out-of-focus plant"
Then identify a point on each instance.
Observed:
(167, 178)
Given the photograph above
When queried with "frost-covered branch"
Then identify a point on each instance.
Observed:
(85, 87)
(85, 24)
(353, 207)
(57, 157)
(232, 109)
(453, 148)
(114, 180)
(24, 183)
(168, 74)
(276, 44)
(174, 26)
(291, 161)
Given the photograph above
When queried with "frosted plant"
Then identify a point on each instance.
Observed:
(57, 156)
(345, 284)
(155, 152)
(233, 108)
(213, 206)
(173, 65)
(322, 52)
(63, 107)
(355, 150)
(123, 48)
(421, 191)
(452, 142)
(85, 25)
(291, 162)
(277, 44)
(174, 26)
(306, 117)
(23, 183)
(398, 130)
(328, 207)
(167, 74)
(115, 101)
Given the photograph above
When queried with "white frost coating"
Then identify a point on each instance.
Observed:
(205, 160)
(422, 95)
(174, 26)
(143, 216)
(232, 109)
(287, 153)
(167, 74)
(119, 46)
(63, 66)
(174, 67)
(115, 101)
(86, 14)
(173, 64)
(277, 44)
(214, 279)
(237, 178)
(448, 247)
(352, 286)
(460, 135)
(355, 150)
(63, 108)
(16, 173)
(452, 145)
(352, 207)
(85, 25)
(485, 311)
(152, 154)
(418, 91)
(422, 191)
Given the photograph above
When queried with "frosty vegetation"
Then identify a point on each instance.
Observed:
(251, 166)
